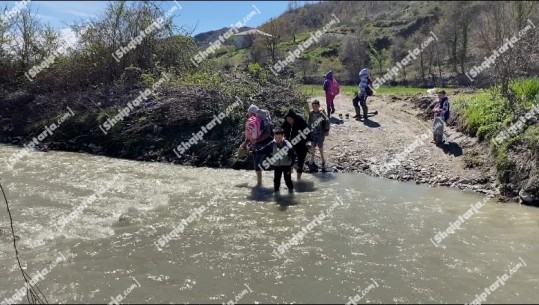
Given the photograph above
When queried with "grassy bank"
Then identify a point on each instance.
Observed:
(317, 90)
(485, 114)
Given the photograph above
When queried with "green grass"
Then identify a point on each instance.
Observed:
(531, 136)
(351, 90)
(526, 91)
(483, 114)
(486, 113)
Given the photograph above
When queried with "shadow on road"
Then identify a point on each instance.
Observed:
(334, 120)
(369, 123)
(452, 148)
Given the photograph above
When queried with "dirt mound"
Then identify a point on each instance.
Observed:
(152, 130)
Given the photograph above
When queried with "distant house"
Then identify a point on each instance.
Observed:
(245, 39)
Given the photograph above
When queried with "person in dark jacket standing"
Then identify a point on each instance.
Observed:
(294, 127)
(442, 106)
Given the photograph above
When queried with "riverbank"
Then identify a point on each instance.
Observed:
(153, 130)
(396, 144)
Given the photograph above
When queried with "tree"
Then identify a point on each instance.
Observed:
(418, 40)
(378, 56)
(119, 24)
(500, 22)
(259, 52)
(430, 54)
(332, 63)
(449, 30)
(398, 51)
(292, 28)
(353, 55)
(292, 6)
(276, 28)
(305, 66)
(26, 31)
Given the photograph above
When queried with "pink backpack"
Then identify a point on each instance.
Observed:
(252, 128)
(334, 87)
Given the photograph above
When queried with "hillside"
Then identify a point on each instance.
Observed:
(204, 39)
(376, 22)
(379, 34)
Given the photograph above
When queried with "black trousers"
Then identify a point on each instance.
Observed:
(301, 151)
(279, 171)
(361, 99)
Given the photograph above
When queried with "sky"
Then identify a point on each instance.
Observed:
(203, 15)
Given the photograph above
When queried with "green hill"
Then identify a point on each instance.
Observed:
(451, 37)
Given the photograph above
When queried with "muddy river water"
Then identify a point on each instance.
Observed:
(110, 229)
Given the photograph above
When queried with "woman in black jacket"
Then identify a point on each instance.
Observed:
(296, 130)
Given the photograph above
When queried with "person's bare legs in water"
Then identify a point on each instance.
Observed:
(258, 171)
(321, 148)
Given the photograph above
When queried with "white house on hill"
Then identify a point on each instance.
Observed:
(245, 39)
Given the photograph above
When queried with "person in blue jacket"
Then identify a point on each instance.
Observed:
(361, 98)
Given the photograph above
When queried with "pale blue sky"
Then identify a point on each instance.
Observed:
(210, 15)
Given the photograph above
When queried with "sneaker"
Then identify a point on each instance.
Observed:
(332, 110)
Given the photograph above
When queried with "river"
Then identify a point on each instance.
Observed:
(363, 237)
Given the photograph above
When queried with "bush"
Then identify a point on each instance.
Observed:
(531, 137)
(131, 76)
(147, 80)
(257, 71)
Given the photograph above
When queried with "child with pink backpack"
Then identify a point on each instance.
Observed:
(257, 134)
(331, 87)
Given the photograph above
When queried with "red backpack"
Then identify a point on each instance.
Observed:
(334, 87)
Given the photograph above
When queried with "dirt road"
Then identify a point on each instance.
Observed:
(396, 144)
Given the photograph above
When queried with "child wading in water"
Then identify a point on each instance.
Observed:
(319, 124)
(283, 158)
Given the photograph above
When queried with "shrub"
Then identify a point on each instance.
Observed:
(257, 71)
(147, 80)
(131, 75)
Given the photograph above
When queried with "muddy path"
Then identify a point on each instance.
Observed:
(396, 144)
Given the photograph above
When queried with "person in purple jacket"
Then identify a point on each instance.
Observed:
(329, 96)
